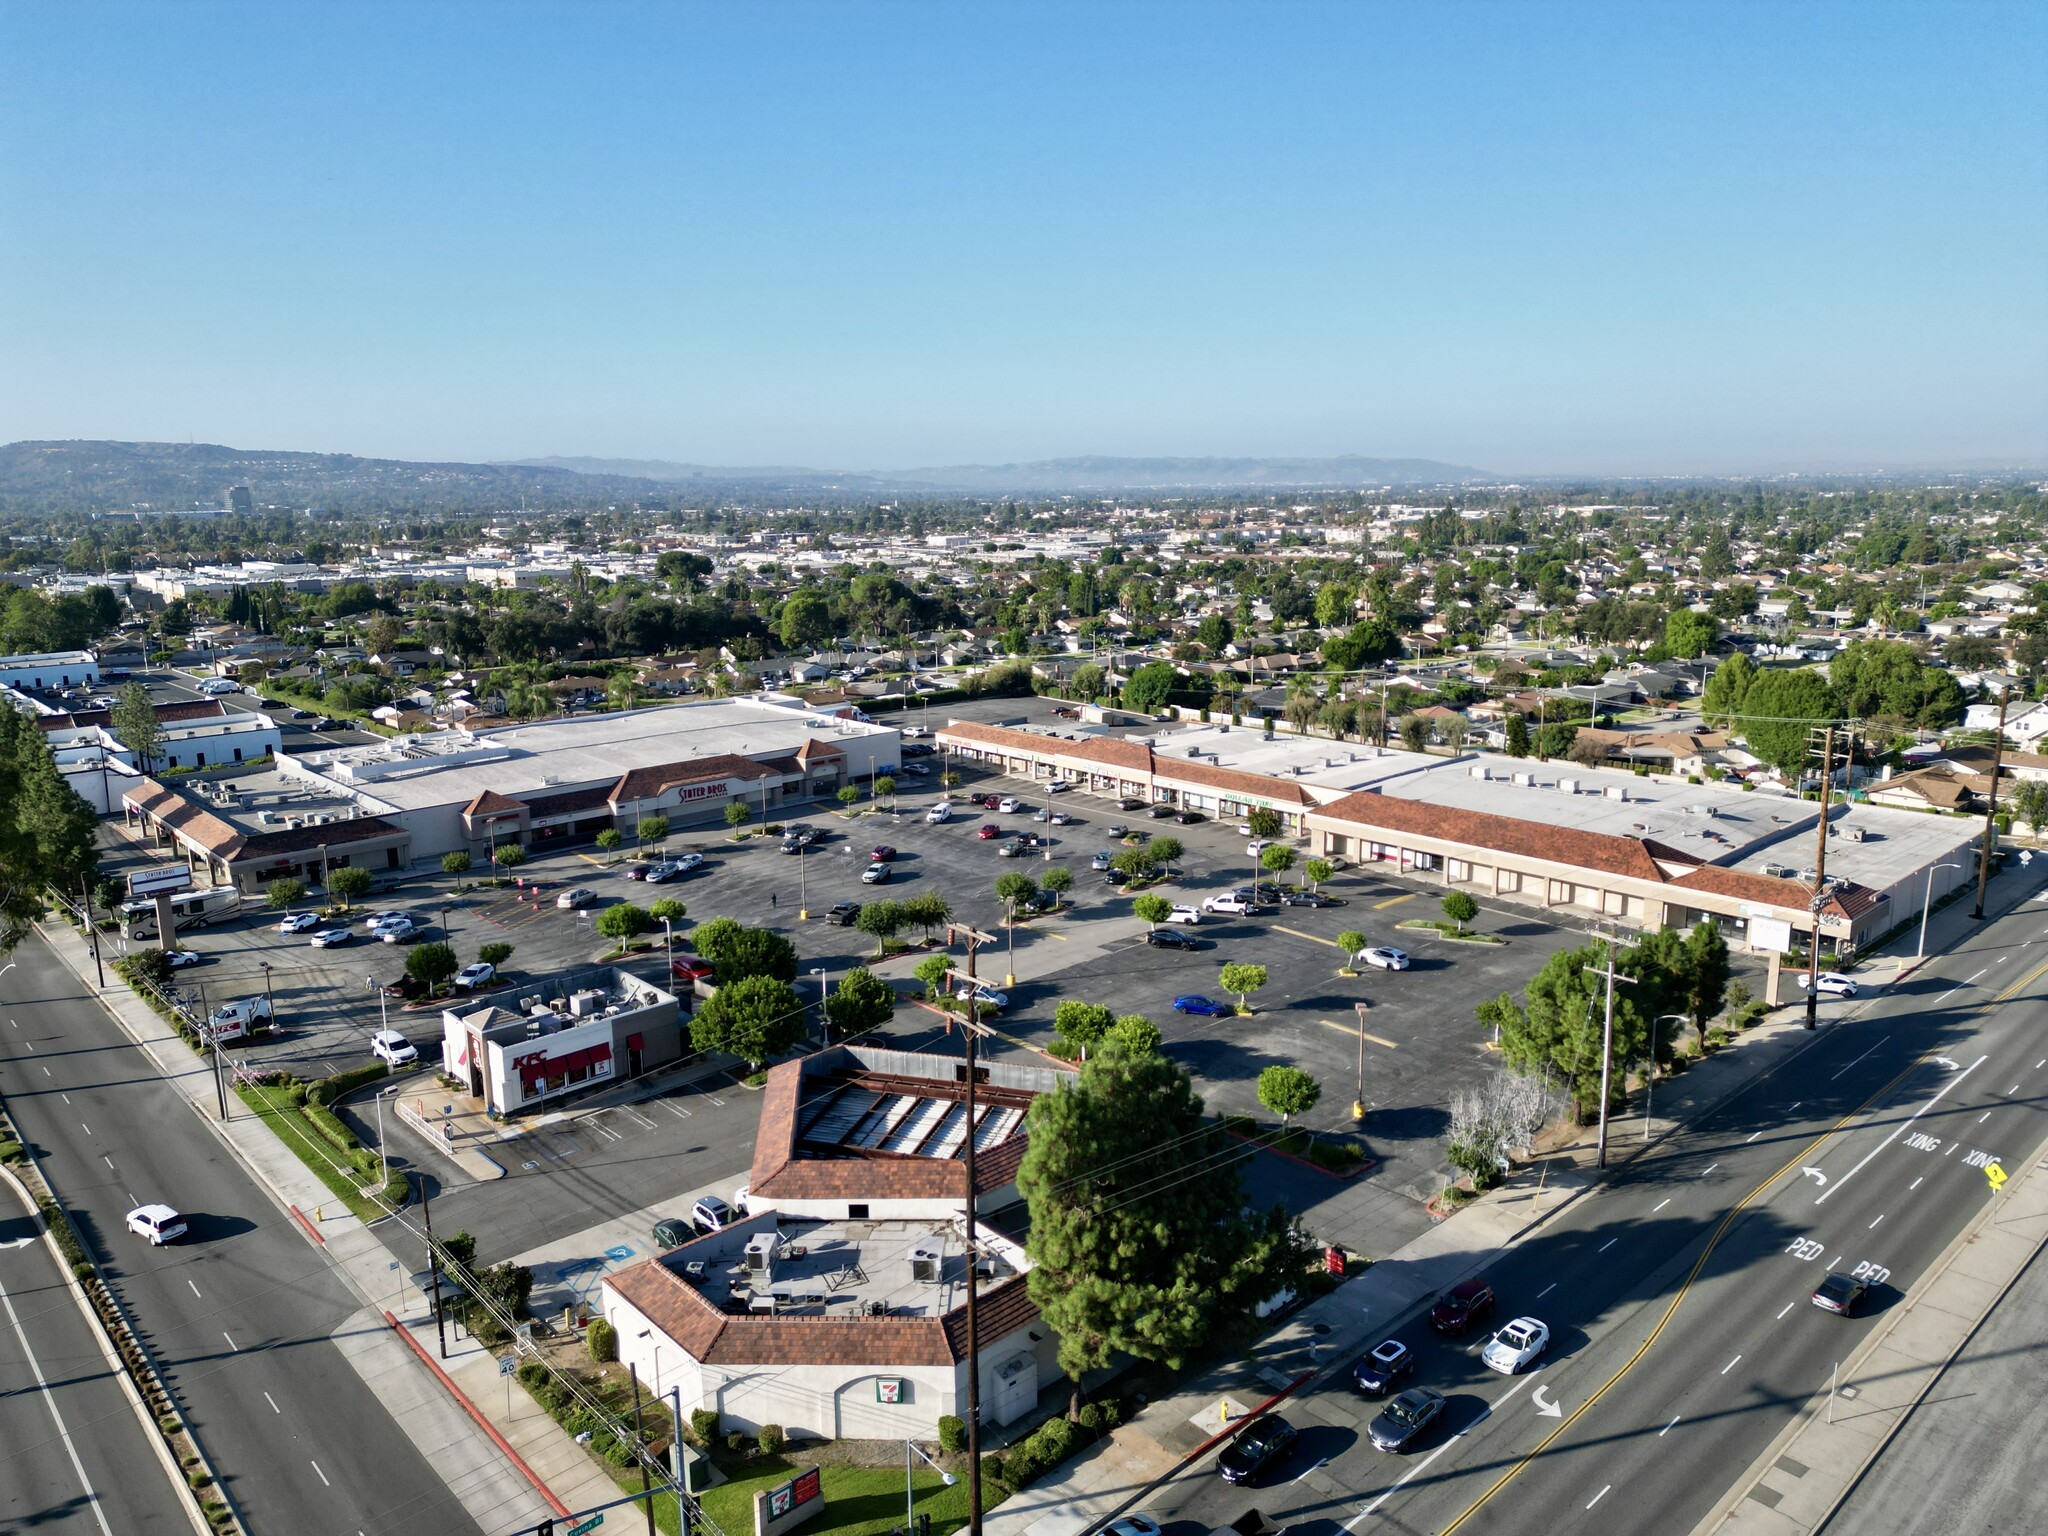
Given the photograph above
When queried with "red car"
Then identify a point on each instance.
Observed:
(689, 968)
(989, 832)
(882, 853)
(637, 871)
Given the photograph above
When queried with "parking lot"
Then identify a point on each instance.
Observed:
(1421, 1039)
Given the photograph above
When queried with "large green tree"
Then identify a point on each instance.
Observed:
(1780, 712)
(133, 720)
(1689, 634)
(1890, 677)
(1727, 689)
(1146, 689)
(1558, 1027)
(46, 831)
(737, 952)
(1138, 1234)
(753, 1018)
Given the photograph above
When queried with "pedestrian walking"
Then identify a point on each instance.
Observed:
(774, 899)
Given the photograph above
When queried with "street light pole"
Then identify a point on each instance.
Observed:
(803, 891)
(1926, 901)
(824, 1019)
(1650, 1081)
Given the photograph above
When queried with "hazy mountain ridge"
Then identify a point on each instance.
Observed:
(1090, 473)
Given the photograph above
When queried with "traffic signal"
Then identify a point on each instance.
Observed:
(545, 1528)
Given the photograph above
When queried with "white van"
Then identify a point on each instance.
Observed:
(942, 811)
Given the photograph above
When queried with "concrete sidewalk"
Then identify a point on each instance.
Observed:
(491, 1485)
(1796, 1485)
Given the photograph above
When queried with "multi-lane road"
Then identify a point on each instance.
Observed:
(1678, 1292)
(241, 1314)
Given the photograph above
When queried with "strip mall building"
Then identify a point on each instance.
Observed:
(1579, 843)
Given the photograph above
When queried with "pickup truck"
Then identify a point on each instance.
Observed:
(234, 1021)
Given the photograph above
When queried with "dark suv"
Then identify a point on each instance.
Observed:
(1461, 1307)
(1262, 1443)
(842, 915)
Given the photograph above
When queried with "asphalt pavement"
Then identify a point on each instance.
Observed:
(242, 1313)
(1678, 1291)
(73, 1455)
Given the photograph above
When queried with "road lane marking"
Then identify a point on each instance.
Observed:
(1298, 934)
(1667, 1428)
(1660, 1205)
(194, 1284)
(1393, 901)
(1751, 1137)
(1316, 1468)
(1805, 1154)
(1788, 1307)
(1605, 1246)
(1983, 1117)
(1708, 1169)
(1599, 1496)
(316, 1467)
(273, 1403)
(1898, 1129)
(1915, 1184)
(108, 1161)
(1729, 1366)
(1873, 1226)
(88, 1129)
(2015, 1088)
(1881, 1041)
(1423, 1465)
(50, 1401)
(46, 1071)
(231, 1343)
(1546, 1290)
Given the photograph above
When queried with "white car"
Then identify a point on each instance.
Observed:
(331, 938)
(1101, 860)
(403, 931)
(471, 977)
(1833, 983)
(388, 1045)
(685, 862)
(1516, 1346)
(942, 811)
(569, 900)
(986, 997)
(1055, 786)
(1009, 805)
(178, 959)
(915, 770)
(1383, 957)
(1187, 915)
(1229, 902)
(1060, 819)
(375, 920)
(299, 922)
(1257, 846)
(158, 1223)
(711, 1214)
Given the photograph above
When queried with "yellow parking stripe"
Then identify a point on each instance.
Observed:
(1354, 1033)
(1297, 933)
(1393, 901)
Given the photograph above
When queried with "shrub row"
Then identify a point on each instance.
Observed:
(1048, 1445)
(328, 1089)
(67, 1239)
(544, 1388)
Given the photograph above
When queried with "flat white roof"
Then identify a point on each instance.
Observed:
(453, 767)
(1333, 765)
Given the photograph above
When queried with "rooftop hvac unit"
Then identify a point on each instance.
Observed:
(1479, 772)
(1567, 786)
(1526, 780)
(1617, 791)
(927, 1261)
(760, 1259)
(585, 1003)
(1701, 808)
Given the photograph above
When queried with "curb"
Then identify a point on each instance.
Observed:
(481, 1422)
(150, 1432)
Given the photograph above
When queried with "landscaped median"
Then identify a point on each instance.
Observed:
(298, 1113)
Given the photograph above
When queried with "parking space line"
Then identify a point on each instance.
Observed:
(1297, 933)
(1354, 1032)
(1393, 901)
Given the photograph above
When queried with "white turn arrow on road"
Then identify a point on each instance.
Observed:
(1943, 1061)
(1815, 1174)
(1546, 1410)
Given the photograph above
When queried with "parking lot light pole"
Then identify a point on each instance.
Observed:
(1927, 901)
(824, 1019)
(383, 1163)
(383, 1002)
(803, 897)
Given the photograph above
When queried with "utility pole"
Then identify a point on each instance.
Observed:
(1991, 809)
(92, 931)
(433, 1263)
(1607, 1046)
(974, 939)
(1820, 877)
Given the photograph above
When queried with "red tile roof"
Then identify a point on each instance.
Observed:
(1638, 858)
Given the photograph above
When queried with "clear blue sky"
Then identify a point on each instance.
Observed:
(1529, 237)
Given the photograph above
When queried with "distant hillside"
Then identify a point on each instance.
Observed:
(170, 477)
(1054, 477)
(50, 476)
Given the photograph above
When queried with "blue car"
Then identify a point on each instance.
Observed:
(1196, 1003)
